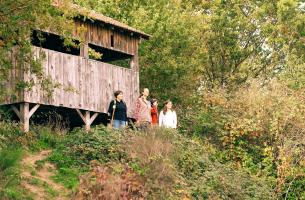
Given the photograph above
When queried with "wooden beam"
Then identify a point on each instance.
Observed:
(33, 110)
(81, 115)
(16, 111)
(134, 63)
(84, 50)
(25, 119)
(87, 123)
(24, 114)
(87, 118)
(94, 116)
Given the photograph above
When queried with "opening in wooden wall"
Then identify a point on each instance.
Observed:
(112, 40)
(109, 56)
(54, 42)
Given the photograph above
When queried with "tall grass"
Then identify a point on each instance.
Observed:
(10, 173)
(9, 158)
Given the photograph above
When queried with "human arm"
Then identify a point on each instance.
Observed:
(110, 108)
(161, 118)
(126, 112)
(137, 110)
(175, 119)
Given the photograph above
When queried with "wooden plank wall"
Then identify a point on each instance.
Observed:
(14, 77)
(85, 84)
(101, 36)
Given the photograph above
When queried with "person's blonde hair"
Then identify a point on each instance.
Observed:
(143, 92)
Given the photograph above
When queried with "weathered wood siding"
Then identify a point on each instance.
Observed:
(101, 36)
(15, 77)
(84, 84)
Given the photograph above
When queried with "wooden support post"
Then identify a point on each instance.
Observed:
(24, 114)
(87, 122)
(25, 119)
(87, 118)
(134, 63)
(84, 50)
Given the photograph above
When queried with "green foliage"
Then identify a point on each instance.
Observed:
(74, 152)
(18, 20)
(10, 174)
(5, 113)
(150, 155)
(294, 189)
(9, 158)
(44, 138)
(82, 147)
(215, 43)
(259, 128)
(9, 134)
(69, 177)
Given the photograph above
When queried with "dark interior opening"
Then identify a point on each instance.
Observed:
(111, 56)
(54, 42)
(112, 40)
(56, 117)
(57, 43)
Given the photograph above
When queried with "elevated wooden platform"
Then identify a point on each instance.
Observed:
(82, 84)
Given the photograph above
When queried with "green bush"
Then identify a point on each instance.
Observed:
(260, 128)
(5, 113)
(80, 147)
(9, 158)
(10, 134)
(204, 176)
(10, 173)
(68, 177)
(43, 137)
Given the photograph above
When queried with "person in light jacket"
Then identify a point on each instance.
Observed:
(168, 117)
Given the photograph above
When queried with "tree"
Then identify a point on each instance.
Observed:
(209, 43)
(18, 19)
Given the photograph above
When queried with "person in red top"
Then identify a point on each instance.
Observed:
(154, 112)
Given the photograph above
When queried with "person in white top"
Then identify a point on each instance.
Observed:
(168, 117)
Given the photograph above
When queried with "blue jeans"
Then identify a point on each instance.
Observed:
(119, 124)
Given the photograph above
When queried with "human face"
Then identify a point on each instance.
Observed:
(169, 105)
(119, 97)
(155, 103)
(145, 92)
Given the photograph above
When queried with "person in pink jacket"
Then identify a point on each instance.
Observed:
(142, 113)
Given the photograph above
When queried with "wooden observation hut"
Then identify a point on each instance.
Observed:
(90, 82)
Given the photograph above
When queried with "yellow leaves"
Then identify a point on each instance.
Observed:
(183, 193)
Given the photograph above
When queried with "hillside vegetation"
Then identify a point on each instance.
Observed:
(234, 70)
(243, 145)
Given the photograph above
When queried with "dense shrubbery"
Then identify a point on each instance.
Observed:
(260, 127)
(82, 147)
(10, 188)
(246, 144)
(168, 166)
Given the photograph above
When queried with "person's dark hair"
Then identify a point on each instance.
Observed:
(152, 101)
(116, 93)
(164, 110)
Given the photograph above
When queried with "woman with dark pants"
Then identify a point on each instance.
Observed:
(119, 109)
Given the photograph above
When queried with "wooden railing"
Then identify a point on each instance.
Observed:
(82, 83)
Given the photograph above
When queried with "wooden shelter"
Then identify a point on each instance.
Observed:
(83, 84)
